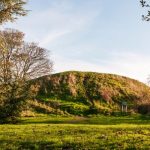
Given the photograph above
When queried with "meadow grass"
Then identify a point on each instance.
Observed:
(75, 133)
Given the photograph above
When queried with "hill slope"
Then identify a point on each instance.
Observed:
(89, 92)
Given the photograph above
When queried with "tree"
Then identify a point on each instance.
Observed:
(145, 5)
(20, 62)
(11, 9)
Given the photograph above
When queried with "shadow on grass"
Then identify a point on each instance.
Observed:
(37, 145)
(45, 145)
(104, 120)
(29, 145)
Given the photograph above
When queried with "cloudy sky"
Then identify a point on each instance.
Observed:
(90, 35)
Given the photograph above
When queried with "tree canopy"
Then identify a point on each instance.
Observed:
(145, 4)
(11, 9)
(20, 62)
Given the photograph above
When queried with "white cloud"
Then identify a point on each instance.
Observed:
(55, 28)
(56, 21)
(128, 64)
(66, 64)
(51, 37)
(59, 24)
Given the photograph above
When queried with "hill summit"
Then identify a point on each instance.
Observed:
(94, 92)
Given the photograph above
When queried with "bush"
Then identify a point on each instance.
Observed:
(144, 109)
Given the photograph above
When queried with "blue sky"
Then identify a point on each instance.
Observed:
(90, 35)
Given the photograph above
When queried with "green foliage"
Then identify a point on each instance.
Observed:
(19, 63)
(100, 93)
(55, 106)
(12, 102)
(75, 108)
(10, 111)
(144, 109)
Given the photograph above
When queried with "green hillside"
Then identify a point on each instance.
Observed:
(83, 93)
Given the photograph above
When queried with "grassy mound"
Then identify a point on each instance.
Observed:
(83, 93)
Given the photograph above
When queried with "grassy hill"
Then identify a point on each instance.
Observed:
(69, 94)
(82, 93)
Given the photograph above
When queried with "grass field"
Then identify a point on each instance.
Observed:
(75, 133)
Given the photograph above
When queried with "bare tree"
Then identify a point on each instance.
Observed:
(11, 9)
(19, 63)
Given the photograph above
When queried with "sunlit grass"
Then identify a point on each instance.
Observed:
(76, 133)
